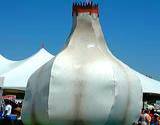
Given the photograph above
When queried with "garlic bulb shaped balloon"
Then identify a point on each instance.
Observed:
(84, 84)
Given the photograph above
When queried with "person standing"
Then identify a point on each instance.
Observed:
(6, 113)
(141, 120)
(8, 108)
(147, 117)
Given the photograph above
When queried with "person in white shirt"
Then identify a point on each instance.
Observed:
(8, 108)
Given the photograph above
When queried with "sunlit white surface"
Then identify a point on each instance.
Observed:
(83, 84)
(17, 73)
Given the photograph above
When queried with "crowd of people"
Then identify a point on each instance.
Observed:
(149, 117)
(10, 112)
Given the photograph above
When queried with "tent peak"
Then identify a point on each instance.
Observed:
(42, 45)
(43, 51)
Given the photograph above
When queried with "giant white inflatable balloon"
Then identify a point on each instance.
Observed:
(84, 84)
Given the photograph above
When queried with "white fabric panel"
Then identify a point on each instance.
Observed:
(36, 102)
(87, 84)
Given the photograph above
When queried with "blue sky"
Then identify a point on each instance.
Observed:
(131, 27)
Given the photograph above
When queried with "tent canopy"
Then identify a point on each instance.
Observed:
(149, 85)
(15, 74)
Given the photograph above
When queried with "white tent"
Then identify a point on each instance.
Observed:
(9, 67)
(149, 85)
(4, 64)
(15, 74)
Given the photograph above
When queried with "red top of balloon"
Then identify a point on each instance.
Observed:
(84, 7)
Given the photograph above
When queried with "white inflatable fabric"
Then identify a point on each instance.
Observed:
(84, 84)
